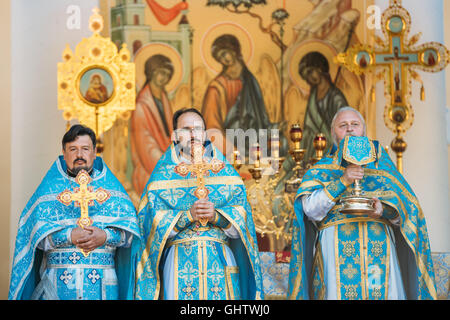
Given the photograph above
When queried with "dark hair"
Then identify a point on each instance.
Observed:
(180, 112)
(78, 130)
(154, 62)
(316, 60)
(226, 41)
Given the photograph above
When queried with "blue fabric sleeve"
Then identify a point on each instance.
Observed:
(61, 238)
(335, 189)
(184, 221)
(115, 237)
(220, 221)
(389, 213)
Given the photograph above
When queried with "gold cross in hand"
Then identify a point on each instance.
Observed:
(199, 169)
(83, 196)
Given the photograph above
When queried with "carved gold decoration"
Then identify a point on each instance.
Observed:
(395, 60)
(264, 200)
(271, 194)
(96, 84)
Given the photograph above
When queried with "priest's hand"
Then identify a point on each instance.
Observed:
(78, 233)
(378, 206)
(91, 239)
(203, 208)
(353, 172)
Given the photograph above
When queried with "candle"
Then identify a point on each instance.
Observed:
(257, 155)
(237, 157)
(275, 146)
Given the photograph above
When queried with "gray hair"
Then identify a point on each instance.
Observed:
(343, 109)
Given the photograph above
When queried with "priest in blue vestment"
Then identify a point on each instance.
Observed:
(196, 248)
(383, 255)
(61, 255)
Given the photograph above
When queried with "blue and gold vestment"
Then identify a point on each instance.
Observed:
(362, 245)
(62, 271)
(199, 255)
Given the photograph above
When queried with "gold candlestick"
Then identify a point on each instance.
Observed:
(319, 143)
(256, 170)
(237, 163)
(276, 160)
(297, 154)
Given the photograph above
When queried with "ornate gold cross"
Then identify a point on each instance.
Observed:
(83, 196)
(395, 60)
(199, 169)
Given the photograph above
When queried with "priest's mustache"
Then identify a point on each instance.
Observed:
(193, 140)
(79, 159)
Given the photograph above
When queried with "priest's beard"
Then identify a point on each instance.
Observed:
(185, 149)
(75, 170)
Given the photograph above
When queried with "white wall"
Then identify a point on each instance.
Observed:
(426, 158)
(5, 143)
(39, 35)
(447, 76)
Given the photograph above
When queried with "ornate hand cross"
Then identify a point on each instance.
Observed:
(83, 196)
(396, 58)
(396, 62)
(199, 169)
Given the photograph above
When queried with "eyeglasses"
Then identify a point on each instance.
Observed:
(195, 130)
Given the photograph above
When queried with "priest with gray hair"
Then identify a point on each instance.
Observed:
(382, 255)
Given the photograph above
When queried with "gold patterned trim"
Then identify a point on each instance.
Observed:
(356, 219)
(364, 258)
(228, 226)
(146, 254)
(344, 182)
(224, 251)
(372, 155)
(189, 215)
(202, 270)
(301, 194)
(216, 217)
(337, 264)
(313, 183)
(228, 272)
(175, 242)
(175, 278)
(318, 263)
(243, 213)
(299, 266)
(388, 261)
(190, 183)
(333, 199)
(143, 202)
